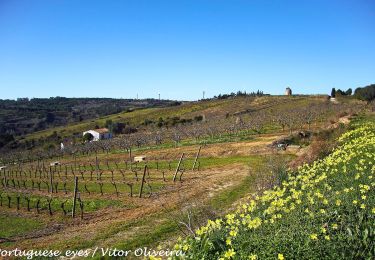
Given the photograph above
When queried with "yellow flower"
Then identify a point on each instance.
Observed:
(280, 257)
(253, 257)
(233, 233)
(229, 253)
(373, 210)
(338, 202)
(314, 237)
(355, 202)
(363, 206)
(228, 241)
(327, 237)
(334, 226)
(323, 230)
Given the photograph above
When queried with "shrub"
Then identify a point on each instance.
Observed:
(87, 137)
(367, 93)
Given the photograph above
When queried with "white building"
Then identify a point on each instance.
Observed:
(99, 134)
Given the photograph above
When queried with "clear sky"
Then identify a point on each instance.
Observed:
(180, 48)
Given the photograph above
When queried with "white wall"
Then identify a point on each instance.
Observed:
(95, 134)
(98, 136)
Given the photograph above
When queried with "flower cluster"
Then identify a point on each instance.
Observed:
(329, 196)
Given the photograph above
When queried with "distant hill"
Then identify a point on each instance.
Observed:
(146, 120)
(24, 116)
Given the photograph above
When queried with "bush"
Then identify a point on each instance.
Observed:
(198, 118)
(87, 137)
(129, 130)
(5, 139)
(367, 93)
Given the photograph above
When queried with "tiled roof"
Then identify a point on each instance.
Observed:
(102, 130)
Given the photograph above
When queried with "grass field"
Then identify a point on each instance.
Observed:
(14, 225)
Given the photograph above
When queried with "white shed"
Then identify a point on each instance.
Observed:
(99, 134)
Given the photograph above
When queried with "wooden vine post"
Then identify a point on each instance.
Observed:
(178, 167)
(5, 180)
(75, 196)
(143, 181)
(51, 180)
(196, 157)
(97, 167)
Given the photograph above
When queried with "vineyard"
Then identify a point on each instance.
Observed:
(57, 188)
(193, 123)
(102, 194)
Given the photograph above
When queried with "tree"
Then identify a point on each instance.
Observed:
(367, 93)
(333, 92)
(257, 122)
(340, 92)
(50, 117)
(5, 138)
(87, 137)
(118, 128)
(109, 125)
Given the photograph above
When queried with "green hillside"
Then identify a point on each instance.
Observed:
(211, 109)
(322, 211)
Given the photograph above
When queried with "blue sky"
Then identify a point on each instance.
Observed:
(180, 48)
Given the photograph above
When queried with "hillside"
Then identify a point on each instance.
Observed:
(25, 116)
(190, 115)
(194, 170)
(324, 210)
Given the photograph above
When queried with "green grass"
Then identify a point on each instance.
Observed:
(160, 232)
(90, 204)
(11, 225)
